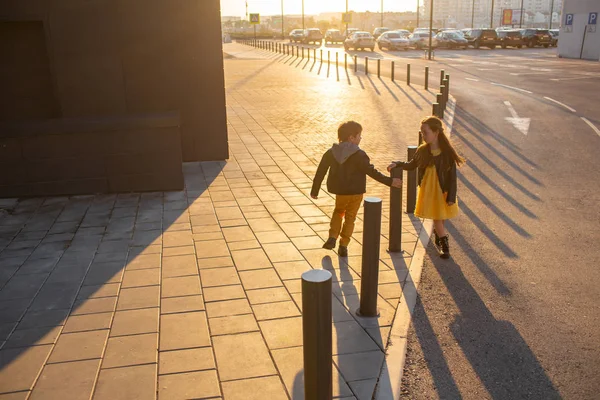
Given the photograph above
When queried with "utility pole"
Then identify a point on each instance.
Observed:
(492, 16)
(521, 20)
(302, 14)
(282, 31)
(551, 13)
(417, 13)
(381, 13)
(346, 18)
(473, 15)
(430, 28)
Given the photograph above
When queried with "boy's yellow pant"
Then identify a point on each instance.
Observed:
(346, 207)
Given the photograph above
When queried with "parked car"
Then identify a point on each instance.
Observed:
(536, 37)
(360, 40)
(511, 38)
(296, 35)
(312, 35)
(435, 30)
(482, 37)
(351, 31)
(450, 40)
(403, 32)
(419, 40)
(334, 36)
(554, 34)
(392, 40)
(378, 31)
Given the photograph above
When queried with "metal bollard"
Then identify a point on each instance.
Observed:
(317, 334)
(355, 63)
(395, 233)
(321, 52)
(345, 61)
(443, 103)
(370, 258)
(440, 100)
(434, 112)
(336, 60)
(366, 65)
(393, 71)
(303, 53)
(442, 75)
(447, 88)
(379, 68)
(408, 74)
(426, 78)
(411, 183)
(328, 57)
(297, 51)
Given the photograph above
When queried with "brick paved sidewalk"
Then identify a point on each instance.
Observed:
(196, 294)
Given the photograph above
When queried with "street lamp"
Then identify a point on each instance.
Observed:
(381, 13)
(282, 31)
(430, 28)
(551, 13)
(521, 19)
(492, 16)
(346, 18)
(302, 14)
(473, 15)
(417, 13)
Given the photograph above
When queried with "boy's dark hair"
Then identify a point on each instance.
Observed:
(348, 129)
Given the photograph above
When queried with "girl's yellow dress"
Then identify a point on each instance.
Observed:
(431, 202)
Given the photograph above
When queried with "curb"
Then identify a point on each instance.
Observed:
(393, 366)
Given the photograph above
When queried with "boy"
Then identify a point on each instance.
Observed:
(348, 167)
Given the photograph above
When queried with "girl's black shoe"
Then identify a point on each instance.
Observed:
(445, 250)
(329, 244)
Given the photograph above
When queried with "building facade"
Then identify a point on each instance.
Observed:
(579, 35)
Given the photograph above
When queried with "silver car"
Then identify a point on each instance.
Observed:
(392, 41)
(360, 40)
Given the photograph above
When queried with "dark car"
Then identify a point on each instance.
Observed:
(482, 38)
(334, 36)
(554, 34)
(312, 35)
(450, 40)
(536, 37)
(296, 35)
(510, 38)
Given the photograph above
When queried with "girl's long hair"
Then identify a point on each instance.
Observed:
(436, 125)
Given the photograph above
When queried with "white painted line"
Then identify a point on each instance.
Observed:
(559, 103)
(570, 79)
(471, 79)
(587, 121)
(512, 87)
(527, 73)
(486, 69)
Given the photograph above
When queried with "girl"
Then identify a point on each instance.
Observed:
(437, 160)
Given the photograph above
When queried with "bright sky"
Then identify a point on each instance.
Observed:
(273, 7)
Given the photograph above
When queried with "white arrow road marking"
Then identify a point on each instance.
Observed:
(521, 124)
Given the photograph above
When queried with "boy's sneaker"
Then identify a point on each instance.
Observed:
(329, 244)
(343, 251)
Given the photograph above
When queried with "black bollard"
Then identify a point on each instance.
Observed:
(408, 74)
(366, 65)
(434, 112)
(395, 234)
(317, 334)
(336, 60)
(443, 103)
(355, 63)
(370, 258)
(411, 183)
(328, 57)
(345, 61)
(393, 71)
(447, 94)
(442, 75)
(379, 68)
(303, 53)
(321, 52)
(440, 100)
(426, 78)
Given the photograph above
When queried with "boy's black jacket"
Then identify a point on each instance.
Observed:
(348, 167)
(444, 165)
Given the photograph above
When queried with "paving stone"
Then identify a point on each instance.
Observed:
(55, 296)
(178, 251)
(173, 305)
(350, 337)
(37, 266)
(224, 293)
(197, 229)
(308, 211)
(97, 291)
(15, 396)
(291, 269)
(269, 387)
(359, 366)
(219, 277)
(227, 308)
(199, 237)
(296, 229)
(22, 287)
(38, 319)
(380, 335)
(364, 389)
(181, 286)
(204, 219)
(263, 225)
(102, 273)
(178, 238)
(143, 277)
(79, 346)
(185, 330)
(241, 356)
(135, 322)
(293, 285)
(123, 351)
(66, 381)
(190, 385)
(275, 310)
(279, 252)
(128, 383)
(215, 262)
(90, 322)
(284, 332)
(258, 279)
(179, 266)
(390, 290)
(268, 295)
(144, 261)
(276, 236)
(227, 213)
(308, 242)
(290, 364)
(19, 368)
(250, 259)
(211, 248)
(232, 324)
(90, 306)
(33, 337)
(275, 207)
(141, 297)
(171, 362)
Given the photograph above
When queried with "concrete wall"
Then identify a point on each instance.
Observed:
(125, 57)
(87, 155)
(571, 43)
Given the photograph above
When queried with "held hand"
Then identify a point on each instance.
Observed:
(391, 166)
(397, 183)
